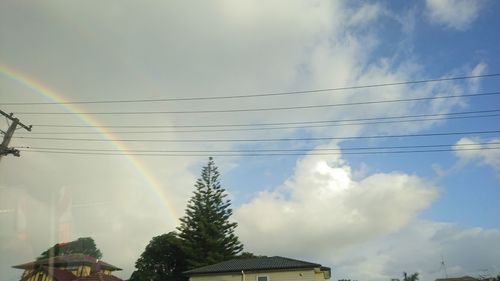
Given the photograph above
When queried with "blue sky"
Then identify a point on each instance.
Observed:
(364, 215)
(440, 49)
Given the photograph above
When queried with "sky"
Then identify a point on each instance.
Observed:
(318, 186)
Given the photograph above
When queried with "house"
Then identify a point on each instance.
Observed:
(463, 278)
(261, 269)
(72, 267)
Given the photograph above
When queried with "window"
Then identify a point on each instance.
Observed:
(262, 278)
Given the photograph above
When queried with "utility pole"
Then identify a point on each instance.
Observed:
(443, 266)
(4, 147)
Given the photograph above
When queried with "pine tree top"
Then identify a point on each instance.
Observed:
(206, 230)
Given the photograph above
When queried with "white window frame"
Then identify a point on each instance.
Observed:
(260, 275)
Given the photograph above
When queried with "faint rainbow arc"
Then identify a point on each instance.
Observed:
(38, 87)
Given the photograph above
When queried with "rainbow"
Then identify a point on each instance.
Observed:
(39, 88)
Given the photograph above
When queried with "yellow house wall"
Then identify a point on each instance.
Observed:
(36, 276)
(85, 271)
(81, 271)
(292, 275)
(319, 276)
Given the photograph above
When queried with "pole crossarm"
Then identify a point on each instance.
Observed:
(12, 118)
(4, 146)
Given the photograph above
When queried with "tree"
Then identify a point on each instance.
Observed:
(489, 278)
(162, 260)
(412, 277)
(248, 255)
(83, 245)
(207, 233)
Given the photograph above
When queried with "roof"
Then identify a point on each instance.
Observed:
(463, 278)
(254, 264)
(63, 260)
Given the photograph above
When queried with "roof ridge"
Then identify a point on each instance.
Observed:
(297, 260)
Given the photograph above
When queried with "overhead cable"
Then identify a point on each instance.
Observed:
(266, 124)
(263, 140)
(271, 94)
(264, 128)
(268, 154)
(255, 109)
(262, 150)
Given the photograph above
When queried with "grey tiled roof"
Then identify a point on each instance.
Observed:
(463, 278)
(253, 264)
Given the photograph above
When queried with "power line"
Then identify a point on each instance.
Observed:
(268, 124)
(264, 140)
(267, 154)
(263, 94)
(265, 128)
(260, 150)
(259, 109)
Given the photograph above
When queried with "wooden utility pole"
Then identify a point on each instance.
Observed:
(4, 147)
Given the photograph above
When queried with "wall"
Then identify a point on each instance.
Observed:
(37, 275)
(295, 275)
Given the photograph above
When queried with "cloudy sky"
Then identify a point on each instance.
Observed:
(371, 181)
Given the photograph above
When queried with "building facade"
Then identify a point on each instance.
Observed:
(73, 267)
(261, 269)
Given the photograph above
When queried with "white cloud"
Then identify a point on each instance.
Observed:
(366, 14)
(321, 209)
(420, 247)
(365, 229)
(457, 14)
(474, 84)
(479, 152)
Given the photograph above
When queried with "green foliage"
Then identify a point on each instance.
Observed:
(488, 278)
(162, 260)
(412, 277)
(84, 245)
(205, 229)
(247, 255)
